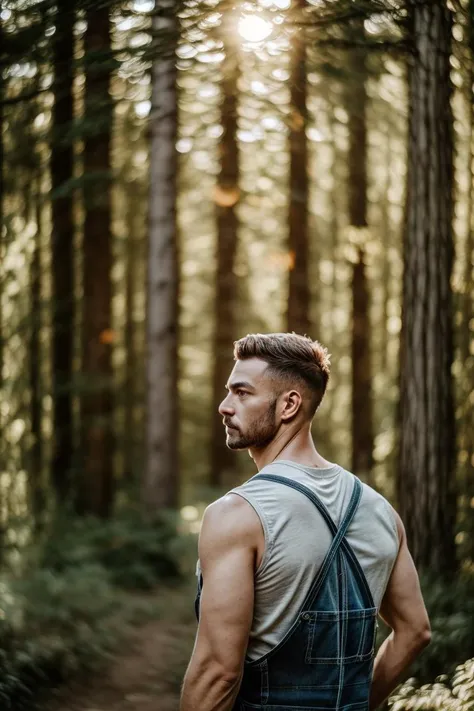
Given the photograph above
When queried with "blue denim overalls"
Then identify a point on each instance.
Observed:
(325, 660)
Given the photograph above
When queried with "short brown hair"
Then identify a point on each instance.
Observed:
(290, 357)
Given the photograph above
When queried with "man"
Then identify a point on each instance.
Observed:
(298, 561)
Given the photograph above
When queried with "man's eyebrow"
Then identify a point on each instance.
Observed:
(239, 384)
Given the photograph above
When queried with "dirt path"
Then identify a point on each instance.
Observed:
(147, 672)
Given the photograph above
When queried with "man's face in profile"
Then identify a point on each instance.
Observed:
(249, 409)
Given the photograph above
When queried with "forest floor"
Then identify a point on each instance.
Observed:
(148, 668)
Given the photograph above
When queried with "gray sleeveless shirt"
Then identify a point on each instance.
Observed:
(297, 539)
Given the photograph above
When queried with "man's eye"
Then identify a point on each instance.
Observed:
(240, 393)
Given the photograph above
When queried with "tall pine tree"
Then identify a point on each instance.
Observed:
(62, 247)
(426, 491)
(95, 490)
(356, 103)
(298, 313)
(227, 196)
(160, 482)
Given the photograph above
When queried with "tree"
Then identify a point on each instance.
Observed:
(160, 483)
(2, 256)
(335, 229)
(36, 459)
(466, 386)
(426, 489)
(95, 493)
(299, 292)
(386, 242)
(62, 247)
(356, 101)
(227, 196)
(130, 336)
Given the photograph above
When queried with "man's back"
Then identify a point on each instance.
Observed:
(297, 539)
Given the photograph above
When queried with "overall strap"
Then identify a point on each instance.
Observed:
(339, 540)
(348, 516)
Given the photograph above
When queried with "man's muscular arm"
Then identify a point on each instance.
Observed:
(404, 611)
(227, 552)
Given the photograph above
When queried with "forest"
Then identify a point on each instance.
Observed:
(175, 174)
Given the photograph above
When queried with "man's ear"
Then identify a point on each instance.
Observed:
(292, 404)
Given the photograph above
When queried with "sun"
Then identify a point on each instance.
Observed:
(253, 28)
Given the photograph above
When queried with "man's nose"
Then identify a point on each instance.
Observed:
(225, 408)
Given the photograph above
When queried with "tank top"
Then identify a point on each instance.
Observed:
(297, 540)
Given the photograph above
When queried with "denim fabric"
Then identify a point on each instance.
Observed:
(325, 660)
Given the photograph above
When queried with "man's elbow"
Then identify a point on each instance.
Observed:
(415, 636)
(216, 671)
(420, 635)
(224, 679)
(424, 636)
(230, 677)
(208, 684)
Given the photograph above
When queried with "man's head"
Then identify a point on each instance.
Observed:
(278, 379)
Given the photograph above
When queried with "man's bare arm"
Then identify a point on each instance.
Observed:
(404, 611)
(227, 554)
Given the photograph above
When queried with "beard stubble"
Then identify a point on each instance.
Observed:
(258, 434)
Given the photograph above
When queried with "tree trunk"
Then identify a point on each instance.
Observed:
(324, 427)
(95, 491)
(356, 101)
(362, 428)
(36, 484)
(226, 198)
(2, 284)
(426, 482)
(62, 248)
(386, 243)
(467, 303)
(298, 318)
(130, 336)
(2, 217)
(160, 484)
(465, 332)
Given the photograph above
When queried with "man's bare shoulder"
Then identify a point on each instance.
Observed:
(230, 519)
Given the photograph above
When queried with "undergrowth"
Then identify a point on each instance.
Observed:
(76, 597)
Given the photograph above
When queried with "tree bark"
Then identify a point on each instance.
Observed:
(362, 419)
(465, 332)
(62, 250)
(467, 303)
(130, 335)
(226, 198)
(297, 317)
(36, 483)
(2, 282)
(426, 489)
(323, 427)
(96, 488)
(386, 242)
(160, 484)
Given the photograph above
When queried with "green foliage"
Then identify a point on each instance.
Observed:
(456, 694)
(136, 554)
(55, 626)
(451, 611)
(67, 612)
(57, 601)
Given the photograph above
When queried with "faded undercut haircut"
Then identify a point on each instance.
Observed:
(291, 359)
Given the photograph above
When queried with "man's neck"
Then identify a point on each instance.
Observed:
(293, 445)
